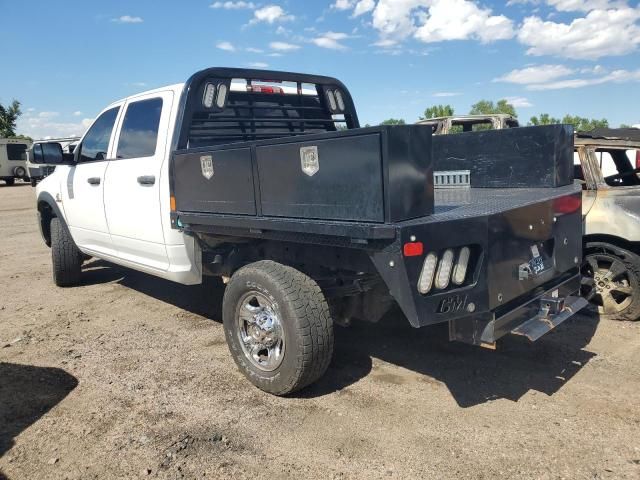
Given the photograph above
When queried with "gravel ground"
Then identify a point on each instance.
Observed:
(128, 376)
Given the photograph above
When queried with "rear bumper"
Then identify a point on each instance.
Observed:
(532, 318)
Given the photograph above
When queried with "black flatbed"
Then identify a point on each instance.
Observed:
(450, 205)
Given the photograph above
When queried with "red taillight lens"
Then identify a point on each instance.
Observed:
(568, 204)
(637, 158)
(413, 249)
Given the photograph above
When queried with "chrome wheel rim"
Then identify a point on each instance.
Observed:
(610, 282)
(260, 331)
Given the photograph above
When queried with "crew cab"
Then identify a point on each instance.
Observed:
(266, 179)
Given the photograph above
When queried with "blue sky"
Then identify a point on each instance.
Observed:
(67, 59)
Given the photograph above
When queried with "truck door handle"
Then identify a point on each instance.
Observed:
(147, 180)
(94, 180)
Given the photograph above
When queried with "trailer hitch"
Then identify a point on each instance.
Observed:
(553, 311)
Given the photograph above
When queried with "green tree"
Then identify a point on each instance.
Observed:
(582, 124)
(437, 111)
(544, 119)
(487, 107)
(8, 117)
(393, 121)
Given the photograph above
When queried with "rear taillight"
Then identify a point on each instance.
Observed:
(568, 204)
(437, 272)
(413, 249)
(425, 281)
(460, 270)
(637, 158)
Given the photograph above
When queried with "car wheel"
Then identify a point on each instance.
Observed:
(65, 256)
(612, 281)
(278, 327)
(10, 181)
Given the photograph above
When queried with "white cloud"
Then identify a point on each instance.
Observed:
(43, 126)
(233, 5)
(226, 46)
(270, 14)
(461, 20)
(127, 19)
(556, 77)
(331, 40)
(48, 114)
(363, 6)
(439, 20)
(584, 5)
(535, 74)
(385, 43)
(77, 113)
(519, 102)
(343, 4)
(446, 94)
(257, 65)
(617, 76)
(283, 46)
(600, 33)
(254, 50)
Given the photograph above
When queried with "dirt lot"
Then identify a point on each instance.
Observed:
(128, 376)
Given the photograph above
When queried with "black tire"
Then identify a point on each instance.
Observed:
(612, 281)
(65, 256)
(10, 181)
(303, 313)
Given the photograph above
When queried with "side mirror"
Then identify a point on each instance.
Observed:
(49, 153)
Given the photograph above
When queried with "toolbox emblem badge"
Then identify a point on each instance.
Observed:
(309, 160)
(206, 163)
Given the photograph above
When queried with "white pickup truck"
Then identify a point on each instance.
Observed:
(266, 180)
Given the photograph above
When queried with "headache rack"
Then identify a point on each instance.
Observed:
(253, 112)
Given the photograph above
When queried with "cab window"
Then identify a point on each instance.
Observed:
(16, 151)
(139, 134)
(96, 142)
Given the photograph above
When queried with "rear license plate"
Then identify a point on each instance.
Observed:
(536, 264)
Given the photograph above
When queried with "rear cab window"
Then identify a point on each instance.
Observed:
(139, 132)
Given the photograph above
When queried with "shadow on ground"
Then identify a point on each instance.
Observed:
(26, 394)
(472, 374)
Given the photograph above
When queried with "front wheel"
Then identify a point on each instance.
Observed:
(612, 281)
(278, 327)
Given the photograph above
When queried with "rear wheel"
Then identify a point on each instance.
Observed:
(278, 327)
(65, 256)
(612, 281)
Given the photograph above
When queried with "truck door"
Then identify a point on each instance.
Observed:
(132, 186)
(82, 194)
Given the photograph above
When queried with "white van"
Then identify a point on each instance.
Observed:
(13, 159)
